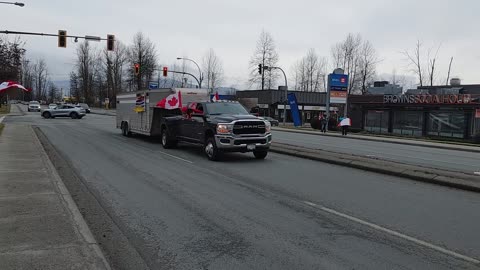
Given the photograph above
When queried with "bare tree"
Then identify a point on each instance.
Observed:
(54, 93)
(265, 54)
(40, 74)
(449, 69)
(346, 55)
(415, 62)
(368, 60)
(74, 90)
(213, 68)
(310, 72)
(88, 67)
(142, 52)
(431, 65)
(113, 68)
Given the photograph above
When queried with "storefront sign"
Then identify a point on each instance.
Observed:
(338, 84)
(428, 99)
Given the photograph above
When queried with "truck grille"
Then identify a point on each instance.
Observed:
(240, 142)
(249, 127)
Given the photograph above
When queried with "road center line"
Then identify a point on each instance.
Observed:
(395, 233)
(179, 158)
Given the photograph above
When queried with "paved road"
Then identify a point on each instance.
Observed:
(182, 211)
(424, 156)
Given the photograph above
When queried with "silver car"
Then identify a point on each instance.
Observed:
(66, 110)
(34, 106)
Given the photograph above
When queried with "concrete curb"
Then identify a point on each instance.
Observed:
(429, 175)
(81, 224)
(386, 140)
(101, 113)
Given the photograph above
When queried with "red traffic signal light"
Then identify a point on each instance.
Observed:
(62, 38)
(110, 42)
(137, 68)
(165, 71)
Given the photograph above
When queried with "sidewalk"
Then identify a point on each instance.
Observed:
(442, 145)
(40, 225)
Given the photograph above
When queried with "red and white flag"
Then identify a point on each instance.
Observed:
(173, 101)
(9, 84)
(216, 97)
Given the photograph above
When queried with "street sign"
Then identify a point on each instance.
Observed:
(153, 85)
(338, 84)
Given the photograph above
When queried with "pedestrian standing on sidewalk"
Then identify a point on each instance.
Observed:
(344, 124)
(323, 123)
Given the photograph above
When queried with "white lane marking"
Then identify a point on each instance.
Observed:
(179, 158)
(395, 233)
(1, 119)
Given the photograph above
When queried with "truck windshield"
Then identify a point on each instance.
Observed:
(225, 108)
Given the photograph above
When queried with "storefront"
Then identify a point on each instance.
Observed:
(419, 115)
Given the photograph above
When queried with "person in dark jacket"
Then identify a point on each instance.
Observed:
(323, 123)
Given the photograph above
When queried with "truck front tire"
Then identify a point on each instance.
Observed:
(211, 150)
(260, 154)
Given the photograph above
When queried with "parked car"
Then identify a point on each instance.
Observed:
(84, 106)
(273, 122)
(34, 106)
(52, 106)
(64, 111)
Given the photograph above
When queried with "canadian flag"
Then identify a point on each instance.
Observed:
(216, 97)
(9, 84)
(173, 101)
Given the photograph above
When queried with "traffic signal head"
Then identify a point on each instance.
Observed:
(62, 38)
(260, 69)
(165, 71)
(137, 68)
(110, 42)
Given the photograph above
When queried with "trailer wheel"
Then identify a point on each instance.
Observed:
(167, 140)
(125, 131)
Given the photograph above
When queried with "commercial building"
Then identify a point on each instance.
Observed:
(436, 111)
(272, 102)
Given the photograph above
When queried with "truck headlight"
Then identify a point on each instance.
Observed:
(268, 127)
(224, 128)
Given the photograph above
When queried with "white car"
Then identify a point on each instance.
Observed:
(34, 106)
(52, 106)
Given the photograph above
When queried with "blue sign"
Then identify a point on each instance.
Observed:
(153, 85)
(292, 101)
(338, 82)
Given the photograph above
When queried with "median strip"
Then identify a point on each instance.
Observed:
(464, 181)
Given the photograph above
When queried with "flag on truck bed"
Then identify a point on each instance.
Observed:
(173, 101)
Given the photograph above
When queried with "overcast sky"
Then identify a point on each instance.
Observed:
(189, 28)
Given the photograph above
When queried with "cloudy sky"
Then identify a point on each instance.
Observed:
(189, 28)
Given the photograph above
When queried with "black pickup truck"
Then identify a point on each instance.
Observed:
(219, 127)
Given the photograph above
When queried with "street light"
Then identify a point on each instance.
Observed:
(13, 3)
(200, 78)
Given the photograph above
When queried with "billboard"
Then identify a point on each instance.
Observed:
(338, 84)
(292, 100)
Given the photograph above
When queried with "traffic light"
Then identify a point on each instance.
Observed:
(165, 71)
(260, 69)
(62, 38)
(110, 42)
(137, 68)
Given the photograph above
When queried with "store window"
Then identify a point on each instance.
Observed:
(408, 123)
(376, 121)
(446, 124)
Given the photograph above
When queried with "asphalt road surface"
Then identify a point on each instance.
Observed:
(445, 159)
(182, 211)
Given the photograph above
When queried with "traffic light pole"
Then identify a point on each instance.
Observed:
(286, 92)
(50, 35)
(185, 73)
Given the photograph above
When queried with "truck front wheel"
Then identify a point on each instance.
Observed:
(260, 154)
(211, 150)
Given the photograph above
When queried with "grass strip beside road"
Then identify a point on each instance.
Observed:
(4, 109)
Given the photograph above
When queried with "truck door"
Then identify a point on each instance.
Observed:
(186, 125)
(197, 125)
